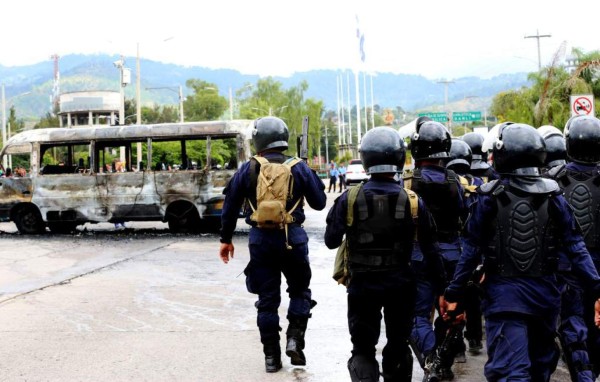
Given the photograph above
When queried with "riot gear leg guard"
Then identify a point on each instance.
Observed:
(400, 372)
(272, 352)
(295, 340)
(363, 369)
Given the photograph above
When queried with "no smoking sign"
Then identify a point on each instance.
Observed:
(582, 105)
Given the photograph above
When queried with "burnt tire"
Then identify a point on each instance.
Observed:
(29, 220)
(184, 219)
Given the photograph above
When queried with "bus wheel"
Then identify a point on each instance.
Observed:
(184, 219)
(29, 221)
(62, 227)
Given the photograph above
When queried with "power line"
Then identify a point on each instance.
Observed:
(538, 36)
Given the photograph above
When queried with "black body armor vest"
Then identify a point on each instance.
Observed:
(522, 238)
(442, 201)
(582, 191)
(381, 236)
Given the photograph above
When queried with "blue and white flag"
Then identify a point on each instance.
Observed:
(361, 41)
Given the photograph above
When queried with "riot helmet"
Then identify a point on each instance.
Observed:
(382, 151)
(480, 157)
(582, 136)
(460, 156)
(421, 120)
(431, 140)
(270, 133)
(518, 148)
(556, 149)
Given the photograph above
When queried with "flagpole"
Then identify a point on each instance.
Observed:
(372, 104)
(342, 135)
(337, 92)
(365, 99)
(349, 108)
(356, 84)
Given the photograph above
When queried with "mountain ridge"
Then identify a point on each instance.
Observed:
(29, 87)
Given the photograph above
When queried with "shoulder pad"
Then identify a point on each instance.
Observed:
(291, 162)
(557, 172)
(534, 186)
(488, 187)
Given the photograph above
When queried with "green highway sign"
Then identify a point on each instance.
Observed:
(438, 117)
(466, 116)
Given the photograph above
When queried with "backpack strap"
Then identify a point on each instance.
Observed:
(413, 199)
(291, 162)
(254, 174)
(352, 194)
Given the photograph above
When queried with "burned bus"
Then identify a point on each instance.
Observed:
(172, 172)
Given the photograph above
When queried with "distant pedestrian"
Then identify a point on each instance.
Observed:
(342, 177)
(333, 175)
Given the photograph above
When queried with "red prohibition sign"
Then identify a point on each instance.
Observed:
(582, 104)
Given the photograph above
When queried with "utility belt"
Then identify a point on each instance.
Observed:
(491, 266)
(382, 259)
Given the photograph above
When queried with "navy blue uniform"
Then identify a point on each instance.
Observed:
(578, 333)
(391, 290)
(520, 311)
(423, 335)
(269, 257)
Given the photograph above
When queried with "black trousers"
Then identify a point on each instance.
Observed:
(364, 322)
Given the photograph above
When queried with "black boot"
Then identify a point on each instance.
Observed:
(295, 340)
(272, 357)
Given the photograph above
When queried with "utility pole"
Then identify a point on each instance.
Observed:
(55, 85)
(446, 83)
(538, 36)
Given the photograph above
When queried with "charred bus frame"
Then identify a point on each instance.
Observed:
(91, 175)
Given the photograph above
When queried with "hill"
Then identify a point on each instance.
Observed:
(97, 72)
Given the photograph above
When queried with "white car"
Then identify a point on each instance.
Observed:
(355, 173)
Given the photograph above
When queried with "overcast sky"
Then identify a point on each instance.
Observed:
(436, 39)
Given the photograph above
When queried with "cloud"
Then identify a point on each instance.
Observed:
(437, 39)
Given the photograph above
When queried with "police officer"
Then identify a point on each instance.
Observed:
(460, 162)
(518, 222)
(460, 159)
(269, 255)
(556, 147)
(479, 165)
(380, 242)
(442, 193)
(579, 180)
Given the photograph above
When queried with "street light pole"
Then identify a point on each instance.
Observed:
(180, 104)
(230, 103)
(4, 159)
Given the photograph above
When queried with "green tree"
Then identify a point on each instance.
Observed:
(49, 120)
(205, 104)
(513, 105)
(547, 101)
(268, 97)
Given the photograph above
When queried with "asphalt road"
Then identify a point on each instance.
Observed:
(146, 305)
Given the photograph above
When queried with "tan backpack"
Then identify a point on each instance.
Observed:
(274, 187)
